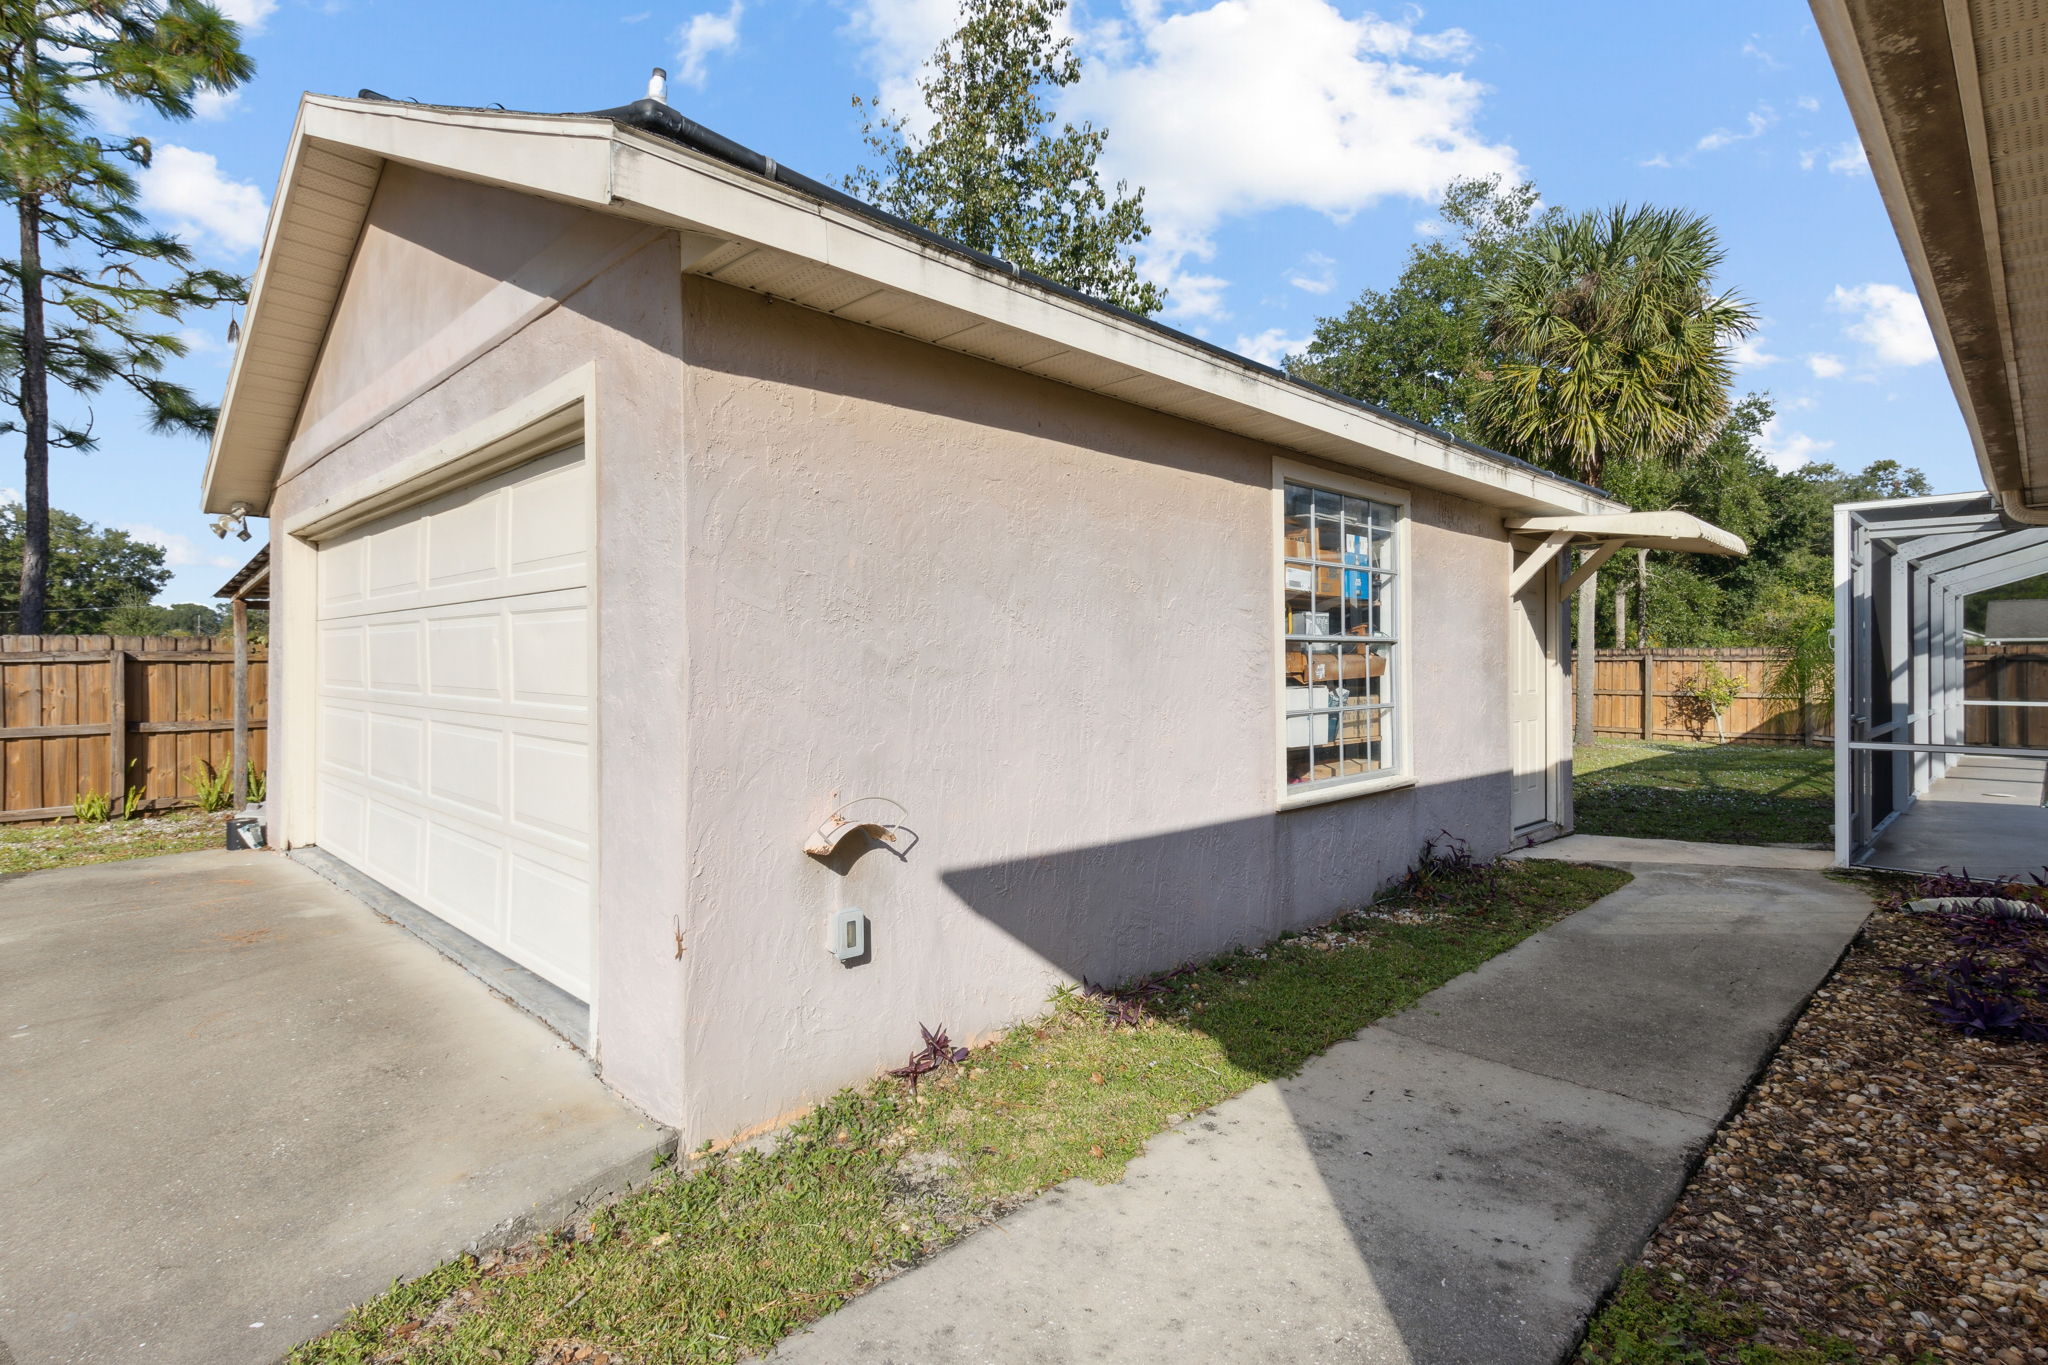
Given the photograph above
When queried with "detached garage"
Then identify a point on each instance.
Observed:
(675, 562)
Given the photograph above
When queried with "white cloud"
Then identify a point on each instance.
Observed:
(1317, 274)
(250, 14)
(183, 552)
(1754, 49)
(1754, 123)
(211, 106)
(704, 37)
(1787, 450)
(1850, 159)
(1271, 346)
(1349, 111)
(642, 17)
(1748, 353)
(1825, 366)
(1808, 104)
(1890, 323)
(1659, 162)
(186, 188)
(10, 497)
(1844, 158)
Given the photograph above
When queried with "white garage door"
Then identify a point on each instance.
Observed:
(456, 670)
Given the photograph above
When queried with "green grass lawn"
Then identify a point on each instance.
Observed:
(1718, 793)
(719, 1261)
(37, 848)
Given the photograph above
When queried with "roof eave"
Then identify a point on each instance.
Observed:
(727, 214)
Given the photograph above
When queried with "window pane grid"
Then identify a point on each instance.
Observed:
(1338, 636)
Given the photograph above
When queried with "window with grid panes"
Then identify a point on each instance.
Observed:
(1341, 633)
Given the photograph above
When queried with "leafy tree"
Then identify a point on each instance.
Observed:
(993, 174)
(141, 617)
(1420, 348)
(1614, 341)
(92, 571)
(92, 293)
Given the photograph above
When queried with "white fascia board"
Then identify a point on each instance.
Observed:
(264, 260)
(697, 193)
(544, 154)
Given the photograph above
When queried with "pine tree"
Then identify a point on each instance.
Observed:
(993, 174)
(92, 293)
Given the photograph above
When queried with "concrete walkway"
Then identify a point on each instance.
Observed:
(234, 1102)
(1985, 815)
(1458, 1184)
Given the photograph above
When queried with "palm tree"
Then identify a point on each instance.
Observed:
(1617, 344)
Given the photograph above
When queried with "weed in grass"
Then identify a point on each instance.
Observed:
(1650, 1321)
(213, 788)
(92, 808)
(723, 1256)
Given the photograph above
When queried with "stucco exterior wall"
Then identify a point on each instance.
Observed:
(1041, 621)
(427, 293)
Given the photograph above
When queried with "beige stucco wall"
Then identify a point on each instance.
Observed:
(1040, 620)
(420, 293)
(836, 563)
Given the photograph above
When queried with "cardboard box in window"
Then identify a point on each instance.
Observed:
(1296, 543)
(1358, 727)
(1334, 667)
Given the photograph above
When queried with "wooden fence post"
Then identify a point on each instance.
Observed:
(117, 728)
(1649, 694)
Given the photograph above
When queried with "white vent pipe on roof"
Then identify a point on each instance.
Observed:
(657, 86)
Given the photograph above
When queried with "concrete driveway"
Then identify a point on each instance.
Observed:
(234, 1102)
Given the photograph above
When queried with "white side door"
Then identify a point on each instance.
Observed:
(1529, 706)
(456, 734)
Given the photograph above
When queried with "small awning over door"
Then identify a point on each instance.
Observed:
(1614, 531)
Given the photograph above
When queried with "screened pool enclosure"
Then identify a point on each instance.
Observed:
(1938, 763)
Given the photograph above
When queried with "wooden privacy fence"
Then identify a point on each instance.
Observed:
(102, 713)
(1635, 693)
(2006, 673)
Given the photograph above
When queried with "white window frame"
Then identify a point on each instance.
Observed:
(1403, 773)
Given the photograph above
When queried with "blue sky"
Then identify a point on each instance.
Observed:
(1290, 149)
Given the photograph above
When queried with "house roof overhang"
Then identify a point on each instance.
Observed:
(1945, 94)
(814, 248)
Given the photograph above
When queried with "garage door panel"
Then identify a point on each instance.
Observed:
(548, 914)
(391, 652)
(344, 738)
(456, 738)
(551, 656)
(466, 656)
(466, 545)
(393, 837)
(550, 528)
(341, 818)
(551, 785)
(465, 879)
(342, 662)
(341, 577)
(396, 745)
(392, 569)
(466, 765)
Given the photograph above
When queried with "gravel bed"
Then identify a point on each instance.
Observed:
(1886, 1182)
